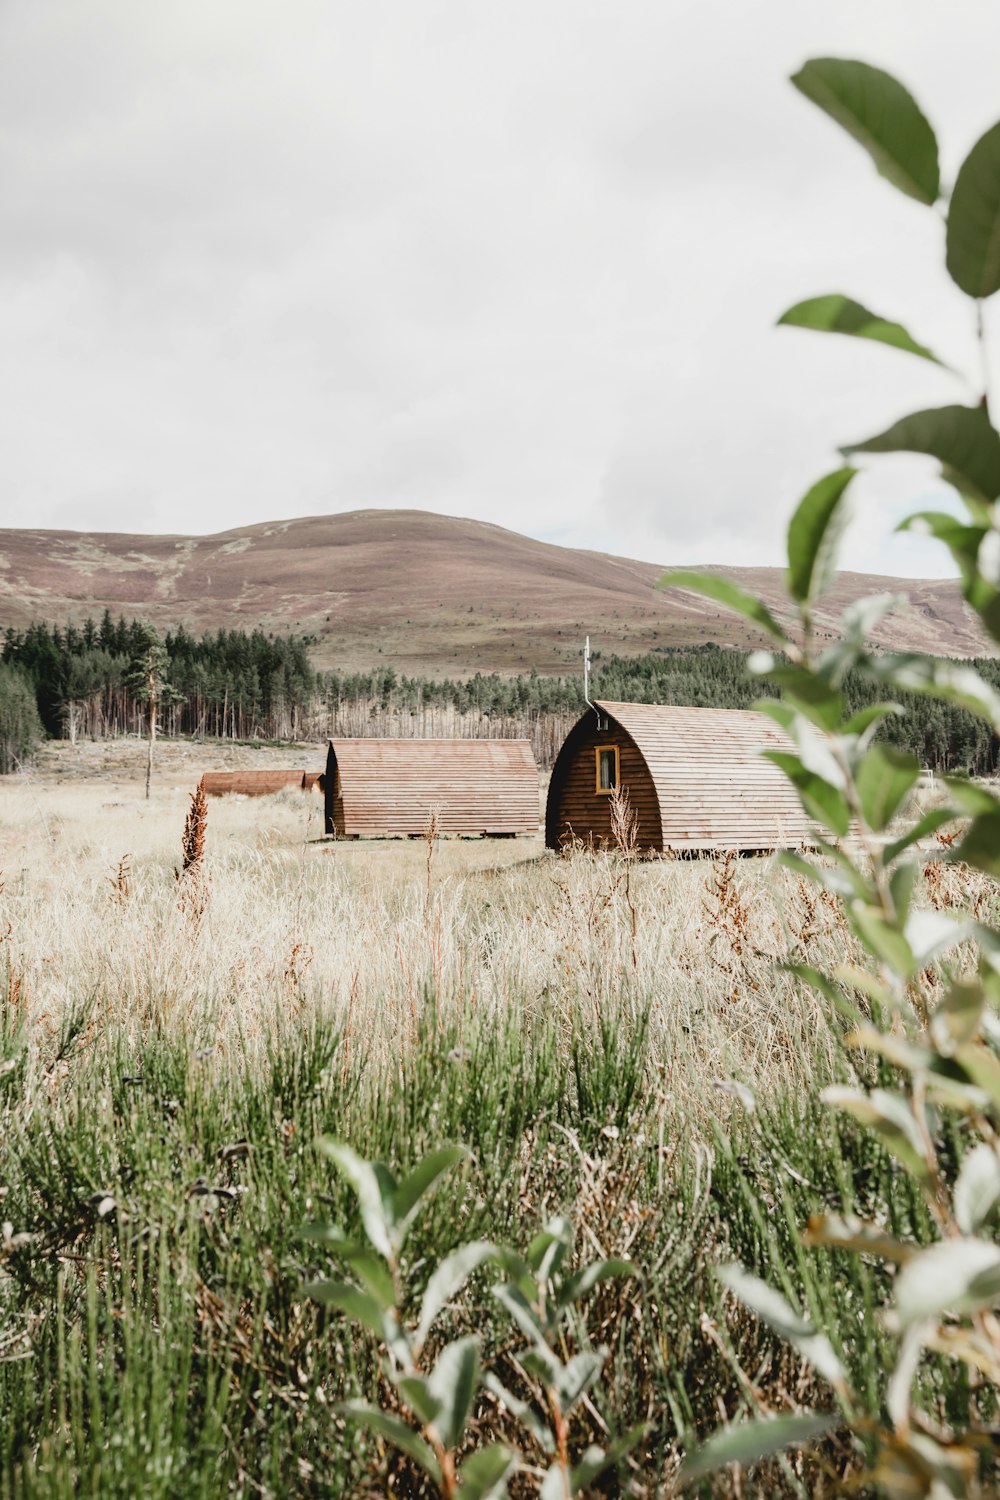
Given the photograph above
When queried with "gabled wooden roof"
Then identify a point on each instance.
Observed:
(714, 787)
(474, 786)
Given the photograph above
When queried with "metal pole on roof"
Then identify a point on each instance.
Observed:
(586, 673)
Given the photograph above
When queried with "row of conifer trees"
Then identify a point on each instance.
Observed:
(82, 680)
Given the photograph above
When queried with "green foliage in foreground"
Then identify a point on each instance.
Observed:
(156, 1335)
(436, 1397)
(923, 1001)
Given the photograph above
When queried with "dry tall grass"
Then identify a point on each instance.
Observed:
(293, 923)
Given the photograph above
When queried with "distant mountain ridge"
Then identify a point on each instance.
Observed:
(428, 594)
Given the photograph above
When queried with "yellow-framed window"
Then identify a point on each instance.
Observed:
(607, 769)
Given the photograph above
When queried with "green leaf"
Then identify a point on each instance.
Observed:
(901, 885)
(960, 437)
(956, 1020)
(369, 1269)
(524, 1315)
(778, 1314)
(821, 800)
(424, 1175)
(417, 1394)
(981, 845)
(889, 1117)
(958, 1276)
(932, 932)
(983, 1067)
(542, 1362)
(814, 534)
(516, 1267)
(882, 116)
(843, 879)
(752, 1441)
(885, 778)
(825, 987)
(973, 252)
(936, 678)
(361, 1306)
(977, 1188)
(448, 1278)
(554, 1483)
(836, 314)
(485, 1473)
(395, 1431)
(813, 748)
(581, 1282)
(374, 1187)
(453, 1383)
(970, 796)
(578, 1376)
(962, 538)
(867, 718)
(806, 691)
(900, 1052)
(550, 1247)
(857, 622)
(596, 1460)
(965, 543)
(522, 1410)
(726, 593)
(847, 1232)
(921, 829)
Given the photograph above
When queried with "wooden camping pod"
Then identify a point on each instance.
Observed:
(384, 787)
(249, 783)
(695, 779)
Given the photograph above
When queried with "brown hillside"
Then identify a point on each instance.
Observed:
(427, 593)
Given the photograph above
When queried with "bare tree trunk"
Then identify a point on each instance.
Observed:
(152, 727)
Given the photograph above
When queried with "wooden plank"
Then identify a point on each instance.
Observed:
(249, 783)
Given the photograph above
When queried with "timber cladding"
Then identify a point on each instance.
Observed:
(695, 780)
(249, 783)
(384, 787)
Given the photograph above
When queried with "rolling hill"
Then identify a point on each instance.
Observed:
(427, 593)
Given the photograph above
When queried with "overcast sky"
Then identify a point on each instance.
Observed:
(519, 261)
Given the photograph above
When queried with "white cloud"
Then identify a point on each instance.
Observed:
(521, 263)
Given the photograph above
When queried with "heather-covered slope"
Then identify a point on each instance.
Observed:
(430, 593)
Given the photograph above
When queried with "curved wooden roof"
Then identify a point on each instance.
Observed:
(474, 786)
(715, 789)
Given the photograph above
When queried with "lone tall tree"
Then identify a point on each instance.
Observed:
(149, 682)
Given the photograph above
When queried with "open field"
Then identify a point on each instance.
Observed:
(169, 1053)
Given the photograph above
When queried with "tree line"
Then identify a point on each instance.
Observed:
(87, 680)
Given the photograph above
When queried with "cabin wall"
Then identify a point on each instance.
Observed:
(333, 798)
(716, 790)
(391, 788)
(577, 810)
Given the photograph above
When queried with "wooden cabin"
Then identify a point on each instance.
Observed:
(249, 783)
(695, 780)
(379, 787)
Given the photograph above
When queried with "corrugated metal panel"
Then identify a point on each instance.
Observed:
(392, 786)
(715, 789)
(249, 783)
